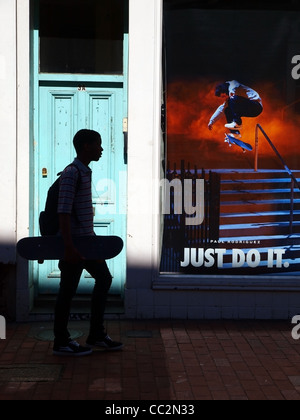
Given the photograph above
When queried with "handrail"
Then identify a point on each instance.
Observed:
(259, 127)
(293, 178)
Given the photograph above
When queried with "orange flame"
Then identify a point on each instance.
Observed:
(190, 106)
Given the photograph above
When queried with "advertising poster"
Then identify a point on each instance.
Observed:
(232, 137)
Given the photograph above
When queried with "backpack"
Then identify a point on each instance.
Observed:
(49, 219)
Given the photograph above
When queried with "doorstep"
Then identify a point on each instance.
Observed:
(43, 308)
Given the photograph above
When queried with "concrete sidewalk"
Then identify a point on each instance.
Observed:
(162, 360)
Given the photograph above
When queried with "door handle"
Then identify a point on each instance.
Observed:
(44, 173)
(125, 134)
(125, 148)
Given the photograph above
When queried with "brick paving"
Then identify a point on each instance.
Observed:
(162, 360)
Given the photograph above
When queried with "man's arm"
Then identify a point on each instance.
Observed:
(216, 116)
(71, 253)
(65, 205)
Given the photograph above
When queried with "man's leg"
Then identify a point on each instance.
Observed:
(232, 120)
(103, 280)
(98, 336)
(70, 276)
(243, 107)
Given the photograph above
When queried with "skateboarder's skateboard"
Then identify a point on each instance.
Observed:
(230, 139)
(52, 247)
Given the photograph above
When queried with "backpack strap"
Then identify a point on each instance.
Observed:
(78, 181)
(79, 175)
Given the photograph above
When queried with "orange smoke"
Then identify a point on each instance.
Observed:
(191, 104)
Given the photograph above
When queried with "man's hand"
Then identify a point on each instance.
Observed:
(72, 255)
(210, 127)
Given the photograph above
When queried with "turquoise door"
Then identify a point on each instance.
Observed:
(67, 102)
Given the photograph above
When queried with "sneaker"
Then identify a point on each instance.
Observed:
(71, 349)
(233, 126)
(105, 343)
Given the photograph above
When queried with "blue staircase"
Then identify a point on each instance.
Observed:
(256, 214)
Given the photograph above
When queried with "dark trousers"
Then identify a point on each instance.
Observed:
(70, 277)
(239, 106)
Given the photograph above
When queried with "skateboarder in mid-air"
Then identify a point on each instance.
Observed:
(76, 215)
(240, 101)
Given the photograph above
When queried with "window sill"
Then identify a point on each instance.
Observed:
(226, 283)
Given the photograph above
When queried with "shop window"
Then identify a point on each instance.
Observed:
(231, 208)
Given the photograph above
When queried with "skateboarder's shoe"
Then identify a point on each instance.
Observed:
(71, 349)
(105, 343)
(233, 126)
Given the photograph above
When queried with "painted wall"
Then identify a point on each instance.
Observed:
(14, 122)
(8, 112)
(14, 156)
(144, 134)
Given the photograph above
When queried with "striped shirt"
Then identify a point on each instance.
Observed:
(76, 200)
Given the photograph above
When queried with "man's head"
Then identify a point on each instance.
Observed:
(222, 90)
(88, 145)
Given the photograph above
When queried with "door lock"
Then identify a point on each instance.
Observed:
(44, 173)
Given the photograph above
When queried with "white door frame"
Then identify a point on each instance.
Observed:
(24, 291)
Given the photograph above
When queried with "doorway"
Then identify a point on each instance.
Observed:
(79, 72)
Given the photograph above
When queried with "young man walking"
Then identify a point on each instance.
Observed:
(76, 216)
(240, 101)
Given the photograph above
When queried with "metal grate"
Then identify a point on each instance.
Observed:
(30, 373)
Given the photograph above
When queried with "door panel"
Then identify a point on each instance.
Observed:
(62, 112)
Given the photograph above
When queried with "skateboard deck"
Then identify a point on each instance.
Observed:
(232, 140)
(52, 247)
